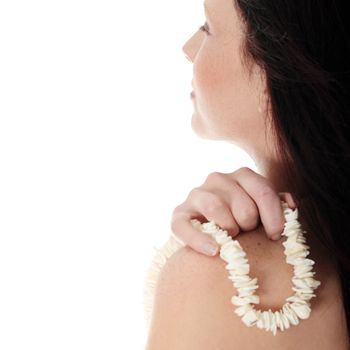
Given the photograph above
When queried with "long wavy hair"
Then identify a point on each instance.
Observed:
(304, 49)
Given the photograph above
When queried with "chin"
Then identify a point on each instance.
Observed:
(201, 128)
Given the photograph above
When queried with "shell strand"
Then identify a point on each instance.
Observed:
(297, 306)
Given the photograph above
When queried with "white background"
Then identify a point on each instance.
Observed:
(96, 150)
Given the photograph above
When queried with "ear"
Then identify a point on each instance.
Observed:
(264, 105)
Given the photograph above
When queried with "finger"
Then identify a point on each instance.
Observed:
(287, 197)
(214, 207)
(245, 214)
(197, 240)
(266, 199)
(244, 209)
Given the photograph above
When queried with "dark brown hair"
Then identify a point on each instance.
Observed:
(304, 48)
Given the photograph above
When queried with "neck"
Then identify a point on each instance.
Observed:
(270, 166)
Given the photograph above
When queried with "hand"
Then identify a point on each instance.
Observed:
(236, 202)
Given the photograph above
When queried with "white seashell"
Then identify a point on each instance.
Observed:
(237, 300)
(290, 314)
(239, 278)
(227, 250)
(305, 274)
(300, 283)
(222, 238)
(246, 283)
(312, 282)
(242, 269)
(210, 227)
(249, 287)
(297, 299)
(237, 255)
(274, 328)
(298, 269)
(292, 215)
(302, 290)
(273, 321)
(232, 264)
(302, 311)
(244, 293)
(279, 322)
(267, 321)
(196, 224)
(232, 244)
(285, 320)
(299, 254)
(261, 322)
(290, 225)
(226, 254)
(302, 261)
(246, 287)
(306, 296)
(250, 318)
(291, 228)
(241, 310)
(229, 245)
(293, 247)
(252, 287)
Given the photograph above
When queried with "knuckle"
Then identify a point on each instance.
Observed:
(214, 176)
(248, 215)
(244, 170)
(195, 190)
(178, 209)
(194, 193)
(213, 205)
(265, 191)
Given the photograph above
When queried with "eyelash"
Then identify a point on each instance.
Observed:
(205, 28)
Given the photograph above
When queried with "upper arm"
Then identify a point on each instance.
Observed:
(192, 307)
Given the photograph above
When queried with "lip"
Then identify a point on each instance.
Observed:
(193, 94)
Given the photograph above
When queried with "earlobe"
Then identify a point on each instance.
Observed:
(265, 106)
(264, 103)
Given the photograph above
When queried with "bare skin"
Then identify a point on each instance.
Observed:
(232, 104)
(193, 299)
(237, 202)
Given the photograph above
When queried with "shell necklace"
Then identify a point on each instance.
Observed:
(298, 305)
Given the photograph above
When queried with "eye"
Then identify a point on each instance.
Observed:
(205, 28)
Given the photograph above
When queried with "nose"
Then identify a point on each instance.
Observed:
(192, 45)
(184, 50)
(186, 55)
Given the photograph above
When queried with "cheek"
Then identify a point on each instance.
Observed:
(219, 81)
(212, 72)
(226, 99)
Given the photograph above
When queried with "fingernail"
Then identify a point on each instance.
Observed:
(276, 237)
(210, 248)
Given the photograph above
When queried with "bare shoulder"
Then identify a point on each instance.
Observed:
(193, 308)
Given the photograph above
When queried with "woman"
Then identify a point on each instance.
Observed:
(273, 78)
